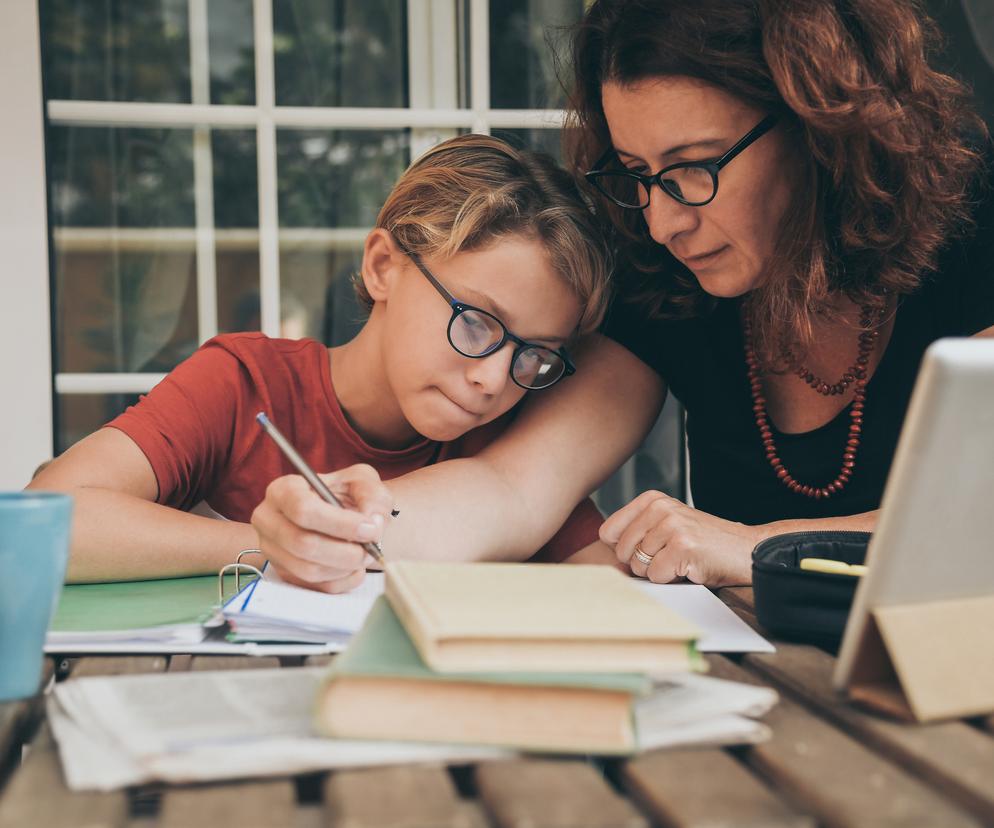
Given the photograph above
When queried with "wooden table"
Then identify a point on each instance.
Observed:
(827, 764)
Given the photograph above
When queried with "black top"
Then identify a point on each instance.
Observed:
(702, 361)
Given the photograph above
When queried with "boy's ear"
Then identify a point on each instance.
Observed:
(381, 263)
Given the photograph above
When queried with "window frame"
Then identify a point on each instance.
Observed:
(434, 115)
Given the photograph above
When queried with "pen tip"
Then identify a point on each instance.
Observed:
(262, 418)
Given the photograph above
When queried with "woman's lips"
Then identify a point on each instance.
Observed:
(703, 259)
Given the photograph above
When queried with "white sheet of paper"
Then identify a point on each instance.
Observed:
(274, 601)
(723, 631)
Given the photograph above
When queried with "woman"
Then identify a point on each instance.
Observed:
(787, 309)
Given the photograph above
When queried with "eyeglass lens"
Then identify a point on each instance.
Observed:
(692, 185)
(475, 334)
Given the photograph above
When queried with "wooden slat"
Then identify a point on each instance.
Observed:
(117, 666)
(14, 721)
(553, 794)
(38, 796)
(954, 757)
(18, 720)
(406, 796)
(684, 788)
(261, 804)
(741, 596)
(234, 662)
(180, 663)
(835, 777)
(318, 660)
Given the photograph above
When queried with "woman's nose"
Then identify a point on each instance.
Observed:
(666, 217)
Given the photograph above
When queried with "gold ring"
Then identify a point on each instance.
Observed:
(641, 555)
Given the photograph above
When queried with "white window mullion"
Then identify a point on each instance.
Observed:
(106, 383)
(203, 175)
(265, 100)
(432, 67)
(479, 56)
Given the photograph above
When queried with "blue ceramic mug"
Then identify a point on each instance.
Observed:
(34, 550)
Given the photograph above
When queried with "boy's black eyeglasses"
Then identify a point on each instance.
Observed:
(475, 333)
(694, 183)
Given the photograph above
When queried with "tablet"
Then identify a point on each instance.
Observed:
(934, 542)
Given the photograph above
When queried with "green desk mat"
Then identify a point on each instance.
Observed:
(129, 605)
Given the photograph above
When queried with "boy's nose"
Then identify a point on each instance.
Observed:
(491, 373)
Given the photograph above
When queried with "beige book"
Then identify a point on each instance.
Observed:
(536, 617)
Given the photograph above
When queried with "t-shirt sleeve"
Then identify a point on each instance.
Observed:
(185, 425)
(579, 530)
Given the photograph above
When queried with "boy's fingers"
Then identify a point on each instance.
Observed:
(362, 486)
(293, 497)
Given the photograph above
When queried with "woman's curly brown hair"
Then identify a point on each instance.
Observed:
(892, 143)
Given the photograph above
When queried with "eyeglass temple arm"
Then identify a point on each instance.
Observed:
(752, 135)
(431, 278)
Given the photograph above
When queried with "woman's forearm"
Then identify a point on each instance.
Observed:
(863, 522)
(117, 536)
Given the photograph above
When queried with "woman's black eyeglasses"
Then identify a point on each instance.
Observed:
(694, 183)
(475, 333)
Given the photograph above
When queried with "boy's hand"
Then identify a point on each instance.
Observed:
(315, 544)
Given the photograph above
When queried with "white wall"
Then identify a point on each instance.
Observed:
(25, 345)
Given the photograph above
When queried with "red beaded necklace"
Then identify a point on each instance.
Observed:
(870, 319)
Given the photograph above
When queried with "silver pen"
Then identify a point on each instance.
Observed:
(316, 482)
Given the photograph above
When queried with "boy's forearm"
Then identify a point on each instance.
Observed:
(460, 510)
(118, 537)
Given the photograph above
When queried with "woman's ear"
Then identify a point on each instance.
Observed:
(382, 260)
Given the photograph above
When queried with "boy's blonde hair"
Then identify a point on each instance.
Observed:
(470, 191)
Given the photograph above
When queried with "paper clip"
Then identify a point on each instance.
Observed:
(237, 567)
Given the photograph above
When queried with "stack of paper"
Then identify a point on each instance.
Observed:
(114, 732)
(119, 731)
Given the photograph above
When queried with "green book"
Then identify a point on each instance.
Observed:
(167, 611)
(380, 688)
(127, 605)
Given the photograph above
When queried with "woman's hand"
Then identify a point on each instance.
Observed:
(314, 544)
(682, 542)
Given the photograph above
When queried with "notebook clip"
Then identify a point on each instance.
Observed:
(237, 567)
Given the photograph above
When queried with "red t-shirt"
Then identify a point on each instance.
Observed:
(198, 430)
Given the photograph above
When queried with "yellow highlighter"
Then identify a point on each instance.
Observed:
(831, 567)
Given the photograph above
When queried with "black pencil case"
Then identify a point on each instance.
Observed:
(800, 605)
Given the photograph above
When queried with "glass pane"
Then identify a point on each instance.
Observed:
(337, 178)
(542, 140)
(317, 298)
(236, 177)
(120, 177)
(331, 187)
(125, 294)
(236, 217)
(116, 50)
(124, 304)
(525, 37)
(340, 52)
(77, 415)
(231, 46)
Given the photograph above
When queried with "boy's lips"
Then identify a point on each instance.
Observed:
(472, 412)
